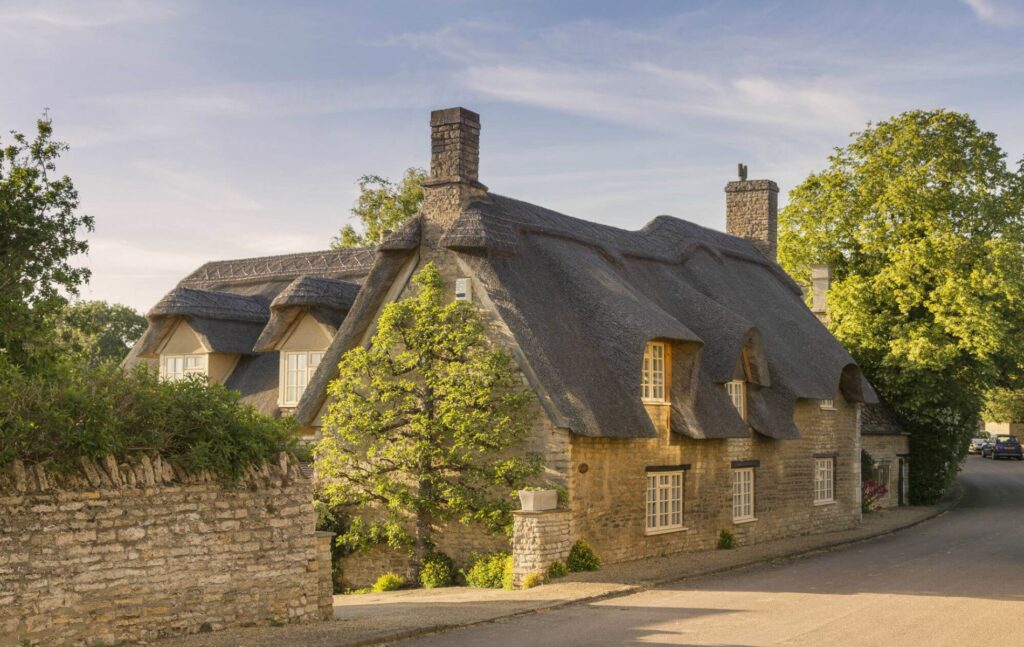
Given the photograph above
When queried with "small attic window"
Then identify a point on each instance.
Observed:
(737, 390)
(828, 405)
(297, 371)
(652, 387)
(177, 367)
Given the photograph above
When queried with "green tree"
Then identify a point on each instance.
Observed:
(424, 425)
(1004, 405)
(382, 206)
(39, 229)
(99, 331)
(921, 221)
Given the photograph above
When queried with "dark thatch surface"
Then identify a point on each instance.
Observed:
(879, 420)
(327, 300)
(232, 304)
(583, 299)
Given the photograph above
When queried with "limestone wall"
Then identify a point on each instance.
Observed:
(135, 552)
(607, 486)
(538, 540)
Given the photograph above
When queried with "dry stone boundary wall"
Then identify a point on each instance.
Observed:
(121, 552)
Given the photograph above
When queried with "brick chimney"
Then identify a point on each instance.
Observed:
(454, 169)
(821, 279)
(752, 211)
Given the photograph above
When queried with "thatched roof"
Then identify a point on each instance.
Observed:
(235, 306)
(582, 299)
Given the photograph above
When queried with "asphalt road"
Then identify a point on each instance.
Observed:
(955, 580)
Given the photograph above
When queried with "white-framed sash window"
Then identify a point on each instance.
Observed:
(743, 494)
(297, 368)
(653, 384)
(824, 480)
(177, 367)
(737, 390)
(828, 405)
(664, 502)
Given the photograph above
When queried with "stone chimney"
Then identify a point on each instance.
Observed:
(821, 279)
(454, 169)
(752, 211)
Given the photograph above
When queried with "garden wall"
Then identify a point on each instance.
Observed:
(135, 552)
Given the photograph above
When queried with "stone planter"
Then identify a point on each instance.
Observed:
(538, 500)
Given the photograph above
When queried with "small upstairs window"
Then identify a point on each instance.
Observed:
(828, 405)
(737, 390)
(177, 367)
(298, 371)
(653, 384)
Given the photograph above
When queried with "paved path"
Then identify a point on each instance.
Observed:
(954, 580)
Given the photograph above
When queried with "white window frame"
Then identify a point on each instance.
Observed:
(189, 364)
(664, 508)
(828, 405)
(824, 480)
(743, 495)
(653, 386)
(290, 389)
(737, 390)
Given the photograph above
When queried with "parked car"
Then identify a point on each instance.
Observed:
(1002, 445)
(976, 444)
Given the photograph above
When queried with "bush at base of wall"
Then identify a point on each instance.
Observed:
(67, 411)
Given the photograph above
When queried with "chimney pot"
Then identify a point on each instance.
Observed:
(752, 212)
(821, 280)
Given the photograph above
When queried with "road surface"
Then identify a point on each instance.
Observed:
(955, 580)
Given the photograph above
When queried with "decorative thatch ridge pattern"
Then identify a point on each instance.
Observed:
(334, 263)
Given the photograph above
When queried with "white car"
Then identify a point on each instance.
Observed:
(976, 443)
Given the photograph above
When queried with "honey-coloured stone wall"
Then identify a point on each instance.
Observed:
(136, 552)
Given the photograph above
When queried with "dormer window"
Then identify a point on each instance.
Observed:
(737, 390)
(653, 383)
(299, 367)
(177, 367)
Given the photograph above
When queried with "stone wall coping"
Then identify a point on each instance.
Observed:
(538, 513)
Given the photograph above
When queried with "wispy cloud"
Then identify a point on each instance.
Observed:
(655, 97)
(83, 15)
(999, 13)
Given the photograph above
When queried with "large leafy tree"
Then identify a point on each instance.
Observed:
(425, 425)
(921, 220)
(382, 206)
(99, 331)
(1004, 405)
(39, 235)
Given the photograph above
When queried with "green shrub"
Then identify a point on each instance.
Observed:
(582, 558)
(508, 574)
(67, 411)
(437, 571)
(557, 570)
(532, 579)
(488, 571)
(726, 540)
(388, 582)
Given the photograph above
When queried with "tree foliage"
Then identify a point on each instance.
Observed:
(98, 331)
(382, 206)
(65, 410)
(1004, 405)
(39, 228)
(921, 220)
(424, 424)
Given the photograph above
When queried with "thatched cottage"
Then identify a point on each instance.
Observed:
(683, 386)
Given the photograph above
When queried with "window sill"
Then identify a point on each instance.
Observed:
(821, 503)
(656, 402)
(828, 408)
(664, 531)
(737, 522)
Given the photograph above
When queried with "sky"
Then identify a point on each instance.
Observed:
(212, 130)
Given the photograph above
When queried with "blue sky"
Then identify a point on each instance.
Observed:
(210, 130)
